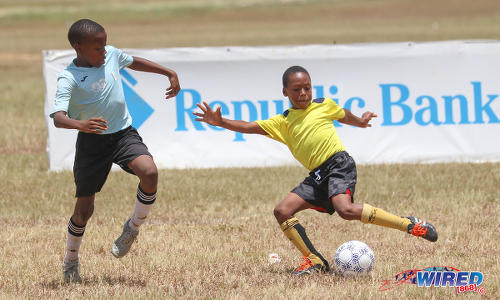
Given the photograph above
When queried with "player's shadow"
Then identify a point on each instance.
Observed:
(290, 271)
(96, 281)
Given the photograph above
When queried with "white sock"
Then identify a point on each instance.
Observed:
(143, 206)
(75, 236)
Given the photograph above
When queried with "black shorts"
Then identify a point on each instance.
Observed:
(95, 154)
(337, 175)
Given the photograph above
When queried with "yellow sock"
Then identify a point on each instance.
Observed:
(297, 235)
(380, 217)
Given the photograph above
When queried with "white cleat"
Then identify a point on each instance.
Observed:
(122, 244)
(70, 272)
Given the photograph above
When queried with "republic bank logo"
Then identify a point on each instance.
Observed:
(139, 109)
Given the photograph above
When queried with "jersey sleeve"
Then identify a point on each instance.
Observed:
(124, 60)
(334, 110)
(65, 87)
(274, 127)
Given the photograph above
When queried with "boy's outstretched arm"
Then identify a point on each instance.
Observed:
(208, 115)
(144, 65)
(94, 125)
(362, 122)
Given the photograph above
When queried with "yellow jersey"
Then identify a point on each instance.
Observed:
(309, 133)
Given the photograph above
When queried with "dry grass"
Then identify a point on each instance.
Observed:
(211, 230)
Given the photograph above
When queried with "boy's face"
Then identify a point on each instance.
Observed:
(298, 90)
(90, 52)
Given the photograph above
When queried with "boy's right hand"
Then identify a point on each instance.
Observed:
(208, 115)
(94, 125)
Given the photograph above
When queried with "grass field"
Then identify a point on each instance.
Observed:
(211, 241)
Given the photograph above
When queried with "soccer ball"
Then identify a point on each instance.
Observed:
(354, 258)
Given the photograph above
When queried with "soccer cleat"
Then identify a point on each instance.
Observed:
(122, 244)
(420, 228)
(70, 272)
(307, 268)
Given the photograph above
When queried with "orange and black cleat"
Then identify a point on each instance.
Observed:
(308, 268)
(422, 229)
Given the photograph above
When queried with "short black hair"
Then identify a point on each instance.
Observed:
(293, 70)
(81, 29)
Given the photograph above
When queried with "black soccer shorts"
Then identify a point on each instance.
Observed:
(96, 153)
(337, 175)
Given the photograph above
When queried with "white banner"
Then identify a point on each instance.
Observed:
(436, 101)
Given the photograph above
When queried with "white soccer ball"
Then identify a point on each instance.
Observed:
(354, 258)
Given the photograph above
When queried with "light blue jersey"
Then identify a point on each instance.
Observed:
(85, 93)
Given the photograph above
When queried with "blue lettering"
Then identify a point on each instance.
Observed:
(448, 277)
(279, 106)
(334, 90)
(425, 278)
(264, 109)
(396, 110)
(479, 107)
(348, 105)
(437, 280)
(462, 278)
(476, 278)
(387, 103)
(349, 102)
(252, 111)
(448, 106)
(319, 91)
(432, 108)
(182, 110)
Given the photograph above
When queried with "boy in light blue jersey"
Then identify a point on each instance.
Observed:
(87, 92)
(90, 98)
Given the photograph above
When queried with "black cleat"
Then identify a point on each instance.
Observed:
(422, 229)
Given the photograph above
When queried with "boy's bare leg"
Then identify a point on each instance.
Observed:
(84, 208)
(369, 214)
(345, 208)
(284, 213)
(289, 206)
(145, 168)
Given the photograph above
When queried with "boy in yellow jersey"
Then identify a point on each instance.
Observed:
(308, 131)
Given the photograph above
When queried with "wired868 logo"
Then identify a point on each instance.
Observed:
(462, 281)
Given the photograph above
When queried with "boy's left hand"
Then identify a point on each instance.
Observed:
(365, 119)
(174, 88)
